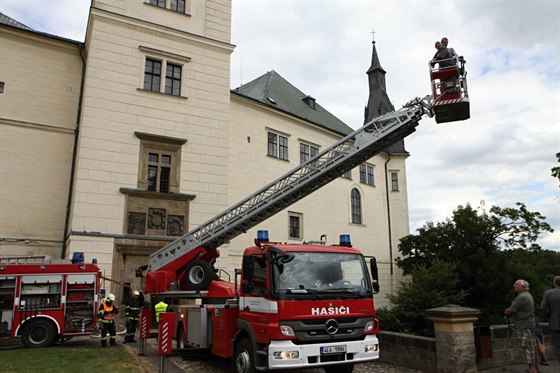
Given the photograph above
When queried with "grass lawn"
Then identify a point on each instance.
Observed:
(77, 355)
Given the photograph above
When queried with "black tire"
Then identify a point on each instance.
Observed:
(198, 275)
(39, 333)
(346, 368)
(243, 360)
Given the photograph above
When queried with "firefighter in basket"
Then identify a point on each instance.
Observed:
(132, 312)
(106, 314)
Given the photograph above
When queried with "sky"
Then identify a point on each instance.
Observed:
(502, 155)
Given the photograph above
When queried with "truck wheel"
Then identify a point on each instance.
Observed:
(347, 368)
(243, 358)
(199, 275)
(39, 333)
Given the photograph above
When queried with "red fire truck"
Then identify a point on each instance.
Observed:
(44, 300)
(297, 306)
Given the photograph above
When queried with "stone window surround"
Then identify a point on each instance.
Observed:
(159, 144)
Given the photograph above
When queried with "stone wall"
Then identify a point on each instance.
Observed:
(500, 350)
(495, 347)
(408, 350)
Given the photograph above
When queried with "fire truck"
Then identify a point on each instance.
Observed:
(294, 306)
(44, 300)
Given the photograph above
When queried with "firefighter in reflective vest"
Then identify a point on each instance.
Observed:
(132, 312)
(106, 315)
(160, 308)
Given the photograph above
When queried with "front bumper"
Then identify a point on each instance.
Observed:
(309, 355)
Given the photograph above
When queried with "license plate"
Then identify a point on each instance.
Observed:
(325, 350)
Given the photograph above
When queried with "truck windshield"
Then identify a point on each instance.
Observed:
(322, 275)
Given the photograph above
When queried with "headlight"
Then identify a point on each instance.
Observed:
(370, 348)
(286, 355)
(287, 331)
(369, 326)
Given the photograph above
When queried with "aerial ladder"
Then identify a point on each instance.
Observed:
(189, 260)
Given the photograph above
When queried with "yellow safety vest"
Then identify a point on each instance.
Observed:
(160, 307)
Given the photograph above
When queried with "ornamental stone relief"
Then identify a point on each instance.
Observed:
(156, 218)
(175, 225)
(136, 223)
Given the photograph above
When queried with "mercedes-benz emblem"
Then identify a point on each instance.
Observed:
(331, 326)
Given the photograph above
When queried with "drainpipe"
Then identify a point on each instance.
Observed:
(65, 234)
(389, 213)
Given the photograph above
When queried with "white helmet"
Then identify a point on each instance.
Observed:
(135, 292)
(111, 297)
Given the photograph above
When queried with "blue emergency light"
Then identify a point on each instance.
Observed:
(262, 236)
(345, 240)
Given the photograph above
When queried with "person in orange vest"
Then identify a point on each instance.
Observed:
(106, 315)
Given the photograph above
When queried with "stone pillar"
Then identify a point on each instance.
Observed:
(455, 349)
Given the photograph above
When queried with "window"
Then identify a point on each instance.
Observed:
(307, 152)
(356, 206)
(173, 80)
(1, 87)
(366, 174)
(164, 65)
(294, 229)
(159, 171)
(255, 275)
(177, 6)
(347, 175)
(152, 75)
(158, 3)
(160, 163)
(277, 146)
(394, 181)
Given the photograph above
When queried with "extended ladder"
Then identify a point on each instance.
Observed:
(309, 176)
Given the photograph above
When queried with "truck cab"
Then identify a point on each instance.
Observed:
(305, 306)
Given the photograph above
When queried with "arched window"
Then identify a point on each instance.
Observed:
(356, 205)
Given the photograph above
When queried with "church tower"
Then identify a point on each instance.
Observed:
(393, 168)
(378, 102)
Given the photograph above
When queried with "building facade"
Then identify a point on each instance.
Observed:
(117, 146)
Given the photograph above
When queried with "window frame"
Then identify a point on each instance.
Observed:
(157, 3)
(176, 7)
(171, 80)
(152, 74)
(307, 151)
(277, 145)
(295, 216)
(394, 181)
(356, 206)
(172, 5)
(367, 174)
(165, 59)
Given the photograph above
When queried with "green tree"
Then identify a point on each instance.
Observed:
(475, 241)
(429, 288)
(556, 170)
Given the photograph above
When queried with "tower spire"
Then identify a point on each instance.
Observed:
(378, 102)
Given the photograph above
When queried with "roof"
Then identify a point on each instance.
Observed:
(274, 91)
(8, 21)
(5, 20)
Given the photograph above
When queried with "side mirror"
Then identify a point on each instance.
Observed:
(374, 274)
